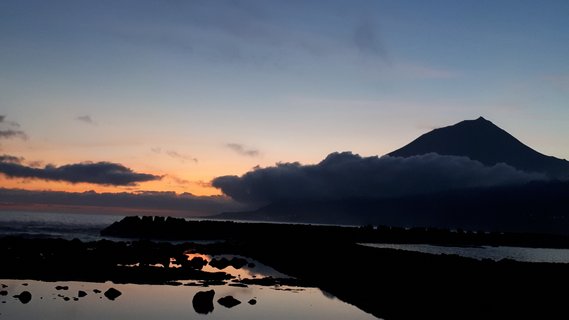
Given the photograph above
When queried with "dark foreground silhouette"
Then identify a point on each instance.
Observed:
(387, 283)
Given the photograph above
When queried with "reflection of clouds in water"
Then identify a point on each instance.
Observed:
(259, 270)
(150, 302)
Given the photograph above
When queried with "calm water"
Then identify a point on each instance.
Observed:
(147, 302)
(486, 252)
(61, 225)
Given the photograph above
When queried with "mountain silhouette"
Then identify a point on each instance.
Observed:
(483, 141)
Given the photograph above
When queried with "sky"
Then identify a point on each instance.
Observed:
(166, 96)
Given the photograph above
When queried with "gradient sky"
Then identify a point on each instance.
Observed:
(192, 90)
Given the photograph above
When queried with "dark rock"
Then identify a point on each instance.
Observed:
(3, 293)
(4, 286)
(81, 294)
(252, 302)
(96, 291)
(228, 301)
(61, 288)
(203, 301)
(25, 284)
(24, 297)
(219, 263)
(66, 298)
(223, 263)
(112, 294)
(75, 299)
(240, 285)
(197, 263)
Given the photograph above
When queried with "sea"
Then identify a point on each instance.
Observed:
(149, 302)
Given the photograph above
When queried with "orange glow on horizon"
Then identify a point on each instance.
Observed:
(164, 185)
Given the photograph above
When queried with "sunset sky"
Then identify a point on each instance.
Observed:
(191, 90)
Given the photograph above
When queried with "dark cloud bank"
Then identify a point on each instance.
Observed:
(104, 173)
(346, 175)
(419, 191)
(184, 204)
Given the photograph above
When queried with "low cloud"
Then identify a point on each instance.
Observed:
(103, 173)
(86, 119)
(184, 204)
(346, 175)
(11, 159)
(243, 150)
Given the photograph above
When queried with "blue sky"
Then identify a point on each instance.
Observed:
(292, 80)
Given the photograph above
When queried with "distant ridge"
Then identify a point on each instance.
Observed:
(483, 141)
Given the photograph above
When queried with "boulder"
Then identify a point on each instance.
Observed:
(24, 297)
(203, 301)
(228, 301)
(112, 294)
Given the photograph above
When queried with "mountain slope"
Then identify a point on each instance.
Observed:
(481, 140)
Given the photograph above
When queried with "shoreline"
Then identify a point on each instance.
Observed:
(387, 283)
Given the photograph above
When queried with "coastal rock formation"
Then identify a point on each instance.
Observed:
(203, 301)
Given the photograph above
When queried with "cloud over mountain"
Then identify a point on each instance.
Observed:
(104, 173)
(347, 175)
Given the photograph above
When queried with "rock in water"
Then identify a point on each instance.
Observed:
(112, 294)
(24, 297)
(81, 294)
(228, 302)
(203, 301)
(252, 302)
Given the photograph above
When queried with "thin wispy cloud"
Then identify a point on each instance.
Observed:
(181, 157)
(243, 150)
(86, 119)
(175, 155)
(177, 179)
(7, 131)
(368, 41)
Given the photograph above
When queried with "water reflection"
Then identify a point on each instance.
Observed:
(145, 302)
(251, 269)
